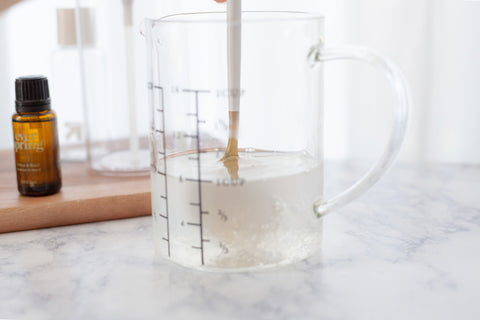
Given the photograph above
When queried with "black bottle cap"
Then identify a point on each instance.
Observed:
(32, 94)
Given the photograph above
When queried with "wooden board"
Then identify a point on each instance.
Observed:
(85, 196)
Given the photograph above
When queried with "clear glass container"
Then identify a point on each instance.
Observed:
(66, 78)
(113, 89)
(269, 212)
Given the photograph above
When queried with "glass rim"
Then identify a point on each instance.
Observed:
(248, 17)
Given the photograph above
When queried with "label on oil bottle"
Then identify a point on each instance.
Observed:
(27, 145)
(36, 153)
(28, 142)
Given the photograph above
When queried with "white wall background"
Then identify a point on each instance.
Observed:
(435, 42)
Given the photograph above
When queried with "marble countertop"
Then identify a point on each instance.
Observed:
(408, 249)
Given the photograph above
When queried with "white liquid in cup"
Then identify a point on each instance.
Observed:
(263, 219)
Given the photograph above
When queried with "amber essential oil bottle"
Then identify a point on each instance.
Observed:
(35, 138)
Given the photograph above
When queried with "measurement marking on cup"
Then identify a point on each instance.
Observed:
(163, 152)
(193, 224)
(162, 96)
(162, 155)
(199, 180)
(195, 91)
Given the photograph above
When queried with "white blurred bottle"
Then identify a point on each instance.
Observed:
(67, 79)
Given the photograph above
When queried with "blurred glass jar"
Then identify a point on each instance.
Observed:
(66, 78)
(114, 90)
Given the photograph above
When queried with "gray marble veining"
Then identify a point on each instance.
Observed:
(409, 249)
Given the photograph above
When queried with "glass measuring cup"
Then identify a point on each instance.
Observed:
(272, 213)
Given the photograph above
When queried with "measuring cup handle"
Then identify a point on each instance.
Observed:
(400, 120)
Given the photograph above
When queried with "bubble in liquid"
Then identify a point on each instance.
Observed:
(278, 206)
